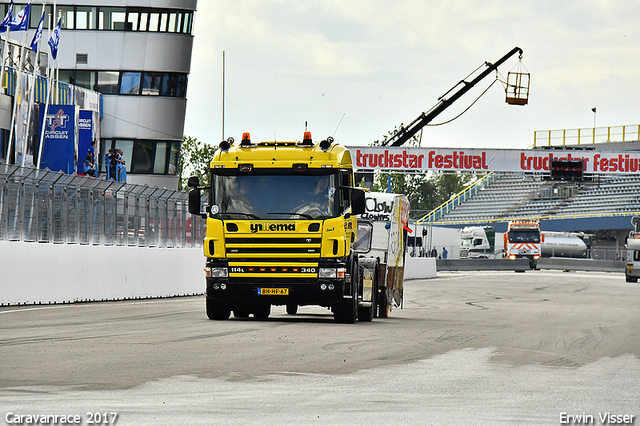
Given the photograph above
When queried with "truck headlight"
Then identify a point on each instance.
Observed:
(216, 272)
(332, 272)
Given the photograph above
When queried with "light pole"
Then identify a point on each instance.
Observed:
(594, 116)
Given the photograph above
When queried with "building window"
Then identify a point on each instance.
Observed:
(151, 83)
(68, 21)
(144, 156)
(130, 83)
(85, 18)
(35, 14)
(108, 82)
(111, 18)
(86, 79)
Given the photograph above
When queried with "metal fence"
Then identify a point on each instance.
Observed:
(53, 207)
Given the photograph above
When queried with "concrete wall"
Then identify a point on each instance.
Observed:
(33, 273)
(419, 267)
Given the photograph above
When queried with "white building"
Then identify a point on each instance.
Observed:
(137, 54)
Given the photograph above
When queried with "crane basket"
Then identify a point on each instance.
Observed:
(517, 88)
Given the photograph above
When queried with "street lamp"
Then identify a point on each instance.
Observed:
(594, 116)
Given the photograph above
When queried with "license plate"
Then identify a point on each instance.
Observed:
(273, 291)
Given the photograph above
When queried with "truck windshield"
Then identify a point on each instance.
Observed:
(524, 236)
(272, 196)
(466, 242)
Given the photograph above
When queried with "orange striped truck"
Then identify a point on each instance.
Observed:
(523, 239)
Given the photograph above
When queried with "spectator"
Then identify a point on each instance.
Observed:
(121, 170)
(434, 252)
(89, 165)
(110, 164)
(444, 253)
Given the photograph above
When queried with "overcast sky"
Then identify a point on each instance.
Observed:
(356, 69)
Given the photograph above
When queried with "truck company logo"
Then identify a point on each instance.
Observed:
(507, 160)
(273, 227)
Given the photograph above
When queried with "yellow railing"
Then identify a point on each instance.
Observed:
(625, 133)
(455, 201)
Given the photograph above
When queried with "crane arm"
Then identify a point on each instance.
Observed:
(406, 133)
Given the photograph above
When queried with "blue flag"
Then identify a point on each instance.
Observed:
(54, 40)
(7, 19)
(38, 35)
(20, 22)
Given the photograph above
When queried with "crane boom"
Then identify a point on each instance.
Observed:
(406, 133)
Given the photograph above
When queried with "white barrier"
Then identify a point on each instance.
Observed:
(419, 267)
(33, 273)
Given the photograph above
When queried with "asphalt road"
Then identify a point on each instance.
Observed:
(492, 348)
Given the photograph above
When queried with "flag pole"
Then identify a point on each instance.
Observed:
(15, 98)
(18, 86)
(32, 92)
(46, 102)
(5, 50)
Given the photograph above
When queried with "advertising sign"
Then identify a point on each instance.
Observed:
(486, 160)
(85, 137)
(58, 152)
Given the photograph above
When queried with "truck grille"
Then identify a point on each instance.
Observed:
(269, 257)
(273, 247)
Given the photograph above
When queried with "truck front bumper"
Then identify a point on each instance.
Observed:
(323, 292)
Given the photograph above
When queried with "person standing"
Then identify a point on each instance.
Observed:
(121, 170)
(444, 253)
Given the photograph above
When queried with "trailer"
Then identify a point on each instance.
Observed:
(385, 221)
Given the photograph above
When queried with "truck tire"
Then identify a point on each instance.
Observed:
(383, 304)
(366, 314)
(262, 311)
(347, 311)
(217, 310)
(292, 309)
(241, 312)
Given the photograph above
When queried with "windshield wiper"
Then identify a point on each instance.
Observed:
(251, 215)
(307, 216)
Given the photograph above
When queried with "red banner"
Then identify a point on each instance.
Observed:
(490, 160)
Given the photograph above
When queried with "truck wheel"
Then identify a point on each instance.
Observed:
(217, 310)
(383, 305)
(292, 309)
(366, 314)
(241, 312)
(346, 312)
(262, 311)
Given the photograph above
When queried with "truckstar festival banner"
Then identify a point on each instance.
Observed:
(489, 160)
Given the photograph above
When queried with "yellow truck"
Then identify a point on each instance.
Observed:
(280, 226)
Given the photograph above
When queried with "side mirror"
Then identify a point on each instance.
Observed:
(193, 182)
(194, 200)
(357, 201)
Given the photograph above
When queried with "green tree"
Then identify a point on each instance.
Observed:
(425, 191)
(195, 159)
